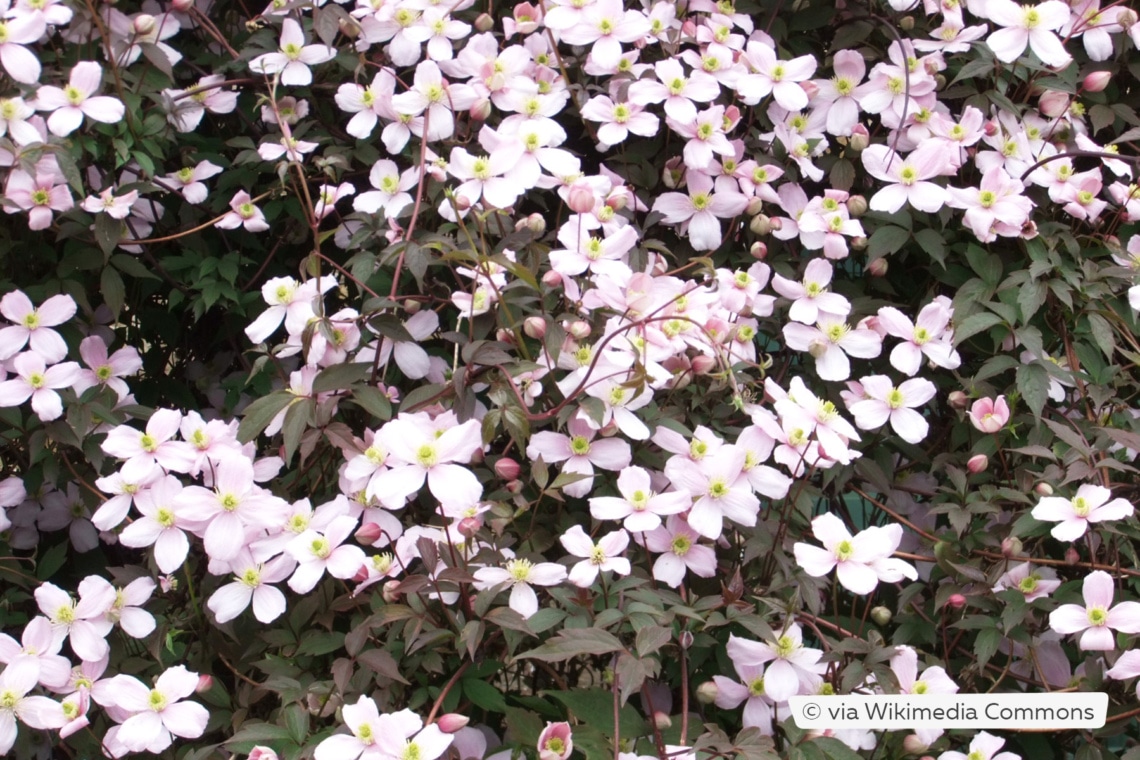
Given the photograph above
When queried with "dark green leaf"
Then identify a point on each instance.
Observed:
(1033, 383)
(340, 376)
(484, 695)
(573, 643)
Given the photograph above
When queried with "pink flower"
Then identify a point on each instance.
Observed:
(156, 445)
(35, 712)
(989, 415)
(639, 507)
(677, 544)
(243, 213)
(1098, 618)
(416, 454)
(1030, 26)
(860, 561)
(580, 452)
(885, 401)
(162, 524)
(930, 334)
(699, 211)
(188, 180)
(794, 668)
(158, 713)
(70, 104)
(40, 195)
(85, 622)
(33, 326)
(519, 574)
(597, 557)
(555, 742)
(17, 30)
(39, 383)
(290, 302)
(810, 297)
(933, 680)
(252, 584)
(909, 177)
(364, 721)
(719, 489)
(1090, 505)
(316, 552)
(38, 645)
(104, 370)
(1035, 584)
(294, 57)
(753, 687)
(432, 94)
(830, 342)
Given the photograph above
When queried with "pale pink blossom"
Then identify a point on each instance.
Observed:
(640, 507)
(162, 524)
(155, 445)
(293, 58)
(39, 195)
(1033, 583)
(160, 713)
(188, 180)
(104, 370)
(930, 335)
(243, 213)
(810, 297)
(318, 552)
(83, 622)
(885, 401)
(698, 213)
(70, 104)
(580, 452)
(1032, 26)
(597, 557)
(35, 712)
(556, 742)
(680, 552)
(37, 381)
(519, 574)
(989, 415)
(1073, 516)
(1098, 618)
(290, 302)
(416, 454)
(253, 584)
(909, 177)
(793, 669)
(831, 341)
(933, 680)
(33, 325)
(860, 561)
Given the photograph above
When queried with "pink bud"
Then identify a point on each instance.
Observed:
(685, 639)
(1127, 17)
(1053, 103)
(978, 463)
(618, 199)
(912, 745)
(754, 207)
(262, 753)
(181, 6)
(534, 327)
(1097, 81)
(777, 224)
(758, 250)
(860, 138)
(958, 400)
(412, 306)
(484, 22)
(452, 722)
(551, 278)
(503, 335)
(361, 574)
(389, 592)
(369, 533)
(662, 720)
(480, 110)
(536, 223)
(580, 198)
(144, 24)
(1072, 556)
(1043, 489)
(991, 128)
(469, 526)
(577, 329)
(515, 486)
(689, 28)
(707, 692)
(1011, 546)
(507, 468)
(702, 364)
(989, 415)
(877, 268)
(462, 202)
(205, 683)
(811, 88)
(858, 242)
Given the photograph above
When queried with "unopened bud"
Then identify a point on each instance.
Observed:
(707, 692)
(777, 224)
(958, 400)
(991, 128)
(760, 224)
(369, 533)
(754, 207)
(361, 574)
(811, 88)
(205, 683)
(856, 206)
(957, 601)
(906, 23)
(536, 223)
(939, 82)
(452, 722)
(877, 268)
(484, 22)
(1043, 489)
(389, 592)
(181, 6)
(672, 174)
(881, 615)
(507, 468)
(412, 306)
(469, 526)
(1097, 81)
(578, 329)
(702, 365)
(551, 278)
(858, 243)
(912, 745)
(262, 753)
(662, 720)
(580, 198)
(349, 27)
(144, 24)
(480, 110)
(1072, 556)
(1053, 103)
(1011, 547)
(462, 202)
(860, 138)
(503, 335)
(685, 639)
(515, 486)
(1127, 17)
(1029, 230)
(534, 327)
(758, 250)
(978, 463)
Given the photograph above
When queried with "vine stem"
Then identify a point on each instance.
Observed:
(446, 689)
(415, 209)
(192, 230)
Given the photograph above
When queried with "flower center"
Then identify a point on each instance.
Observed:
(579, 445)
(164, 517)
(364, 733)
(427, 456)
(319, 547)
(919, 687)
(1081, 507)
(157, 700)
(1028, 584)
(73, 94)
(756, 687)
(681, 545)
(895, 398)
(251, 577)
(230, 502)
(519, 569)
(844, 551)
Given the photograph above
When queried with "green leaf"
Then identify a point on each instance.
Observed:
(373, 401)
(340, 376)
(1030, 297)
(260, 413)
(974, 324)
(595, 708)
(320, 642)
(297, 722)
(523, 726)
(886, 240)
(986, 644)
(381, 662)
(133, 267)
(114, 292)
(1103, 334)
(835, 749)
(573, 643)
(108, 232)
(297, 420)
(651, 638)
(985, 265)
(260, 732)
(484, 695)
(419, 396)
(1033, 384)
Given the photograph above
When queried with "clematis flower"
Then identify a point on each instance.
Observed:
(597, 557)
(33, 326)
(930, 335)
(363, 719)
(294, 57)
(37, 644)
(290, 302)
(699, 212)
(810, 297)
(886, 401)
(162, 524)
(831, 341)
(640, 508)
(317, 552)
(793, 668)
(520, 574)
(188, 180)
(555, 742)
(38, 382)
(719, 489)
(680, 552)
(1035, 584)
(243, 213)
(158, 714)
(1090, 505)
(580, 452)
(1032, 26)
(17, 30)
(984, 746)
(933, 680)
(253, 583)
(38, 194)
(752, 691)
(84, 622)
(155, 446)
(70, 104)
(1098, 618)
(989, 415)
(908, 177)
(860, 561)
(35, 712)
(416, 454)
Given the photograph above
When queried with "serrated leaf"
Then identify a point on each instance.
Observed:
(340, 376)
(886, 240)
(986, 644)
(133, 267)
(297, 722)
(1103, 334)
(114, 292)
(419, 396)
(108, 232)
(260, 732)
(842, 175)
(484, 695)
(297, 420)
(382, 663)
(974, 324)
(569, 644)
(261, 412)
(1033, 384)
(1030, 297)
(651, 638)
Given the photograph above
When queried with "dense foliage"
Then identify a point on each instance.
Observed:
(581, 377)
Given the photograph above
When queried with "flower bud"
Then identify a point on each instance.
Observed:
(906, 23)
(462, 202)
(536, 224)
(685, 639)
(912, 745)
(551, 278)
(811, 88)
(758, 250)
(707, 692)
(989, 415)
(484, 22)
(881, 615)
(1053, 103)
(389, 592)
(1072, 556)
(662, 721)
(1127, 17)
(1097, 81)
(856, 206)
(1043, 489)
(452, 722)
(991, 128)
(777, 224)
(673, 173)
(860, 138)
(580, 198)
(144, 24)
(859, 243)
(480, 110)
(469, 526)
(578, 329)
(503, 335)
(956, 601)
(755, 205)
(760, 224)
(877, 268)
(515, 486)
(507, 468)
(534, 327)
(978, 463)
(368, 534)
(1011, 546)
(205, 683)
(412, 306)
(262, 753)
(958, 400)
(702, 365)
(361, 574)
(349, 27)
(181, 6)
